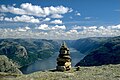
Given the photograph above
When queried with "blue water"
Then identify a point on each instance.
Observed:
(50, 63)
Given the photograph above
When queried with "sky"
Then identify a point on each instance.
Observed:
(59, 19)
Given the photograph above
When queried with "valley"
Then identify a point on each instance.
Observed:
(50, 63)
(98, 58)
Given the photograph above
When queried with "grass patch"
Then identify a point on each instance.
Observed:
(106, 72)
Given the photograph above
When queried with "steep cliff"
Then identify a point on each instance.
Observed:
(108, 53)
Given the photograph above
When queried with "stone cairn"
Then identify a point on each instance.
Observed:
(64, 59)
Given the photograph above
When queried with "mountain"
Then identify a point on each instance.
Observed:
(7, 66)
(108, 53)
(86, 45)
(23, 52)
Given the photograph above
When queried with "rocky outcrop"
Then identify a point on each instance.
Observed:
(21, 51)
(14, 51)
(7, 66)
(64, 59)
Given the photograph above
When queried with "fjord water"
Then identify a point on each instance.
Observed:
(50, 63)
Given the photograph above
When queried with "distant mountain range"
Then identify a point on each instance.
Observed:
(86, 45)
(107, 53)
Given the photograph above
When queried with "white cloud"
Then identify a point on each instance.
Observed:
(14, 4)
(77, 27)
(96, 31)
(84, 27)
(92, 27)
(24, 29)
(78, 14)
(101, 28)
(35, 10)
(114, 27)
(56, 16)
(58, 27)
(43, 27)
(56, 22)
(46, 27)
(21, 30)
(60, 32)
(25, 18)
(72, 31)
(8, 19)
(12, 9)
(70, 9)
(59, 10)
(47, 19)
(27, 28)
(1, 18)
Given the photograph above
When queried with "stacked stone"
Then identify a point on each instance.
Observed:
(64, 59)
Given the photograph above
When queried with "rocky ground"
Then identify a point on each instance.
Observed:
(105, 72)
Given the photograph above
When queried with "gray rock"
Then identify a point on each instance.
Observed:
(61, 68)
(64, 59)
(7, 66)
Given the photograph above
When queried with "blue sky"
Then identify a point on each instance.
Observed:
(66, 19)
